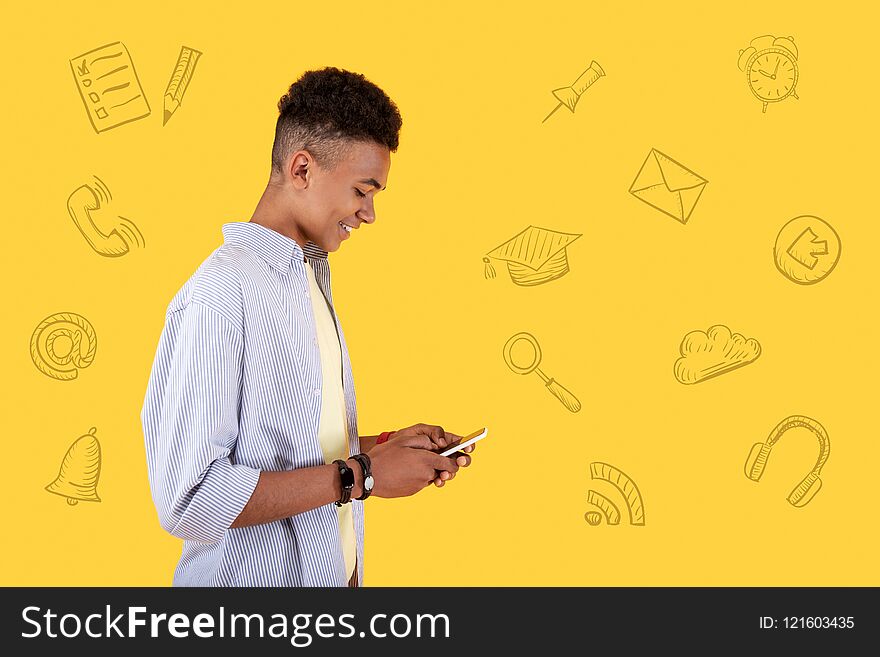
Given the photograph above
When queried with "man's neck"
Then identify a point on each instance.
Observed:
(270, 214)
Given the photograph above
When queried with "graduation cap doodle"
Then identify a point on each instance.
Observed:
(534, 256)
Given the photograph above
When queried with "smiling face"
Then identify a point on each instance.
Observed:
(340, 196)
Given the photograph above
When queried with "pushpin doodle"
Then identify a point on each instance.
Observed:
(52, 335)
(77, 478)
(569, 96)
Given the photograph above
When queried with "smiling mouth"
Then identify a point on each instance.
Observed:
(346, 227)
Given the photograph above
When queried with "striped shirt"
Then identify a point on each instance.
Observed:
(236, 388)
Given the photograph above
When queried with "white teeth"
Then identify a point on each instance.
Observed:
(348, 229)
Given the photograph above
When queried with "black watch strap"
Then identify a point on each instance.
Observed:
(347, 475)
(366, 466)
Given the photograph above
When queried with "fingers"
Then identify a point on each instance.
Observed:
(444, 463)
(434, 432)
(443, 478)
(421, 441)
(452, 438)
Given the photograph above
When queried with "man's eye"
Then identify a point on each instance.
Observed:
(359, 192)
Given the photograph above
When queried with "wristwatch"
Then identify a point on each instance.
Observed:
(364, 460)
(347, 482)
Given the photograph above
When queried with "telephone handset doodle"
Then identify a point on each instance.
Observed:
(86, 199)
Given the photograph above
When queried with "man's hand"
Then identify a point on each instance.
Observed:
(440, 440)
(405, 465)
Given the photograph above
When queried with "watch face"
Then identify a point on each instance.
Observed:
(368, 482)
(772, 74)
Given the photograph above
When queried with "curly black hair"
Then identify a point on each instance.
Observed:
(327, 109)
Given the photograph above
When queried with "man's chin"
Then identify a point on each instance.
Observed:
(325, 246)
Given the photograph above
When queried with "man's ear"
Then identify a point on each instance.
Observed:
(299, 169)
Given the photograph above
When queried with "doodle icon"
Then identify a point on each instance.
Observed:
(88, 199)
(714, 352)
(801, 495)
(607, 508)
(558, 390)
(179, 82)
(668, 186)
(109, 87)
(806, 250)
(569, 96)
(63, 344)
(534, 256)
(770, 65)
(77, 478)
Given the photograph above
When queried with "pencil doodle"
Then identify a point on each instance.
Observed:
(179, 82)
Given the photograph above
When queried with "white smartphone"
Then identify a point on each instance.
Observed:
(479, 434)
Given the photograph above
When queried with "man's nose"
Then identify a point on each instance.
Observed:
(367, 213)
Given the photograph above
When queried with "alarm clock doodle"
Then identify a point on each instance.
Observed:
(770, 65)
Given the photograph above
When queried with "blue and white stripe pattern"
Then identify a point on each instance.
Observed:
(235, 388)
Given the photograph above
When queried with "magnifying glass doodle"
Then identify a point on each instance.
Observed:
(559, 391)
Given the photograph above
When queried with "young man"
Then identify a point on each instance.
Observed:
(249, 417)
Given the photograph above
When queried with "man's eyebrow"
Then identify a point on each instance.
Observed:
(373, 182)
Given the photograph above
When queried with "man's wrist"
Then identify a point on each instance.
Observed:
(346, 481)
(358, 489)
(367, 442)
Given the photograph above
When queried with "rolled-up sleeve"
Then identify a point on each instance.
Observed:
(191, 427)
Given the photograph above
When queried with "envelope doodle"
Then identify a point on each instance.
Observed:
(668, 186)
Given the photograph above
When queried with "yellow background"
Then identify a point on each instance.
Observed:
(426, 329)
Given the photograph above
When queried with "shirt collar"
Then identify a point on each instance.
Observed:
(276, 249)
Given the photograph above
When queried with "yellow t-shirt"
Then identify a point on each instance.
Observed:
(332, 428)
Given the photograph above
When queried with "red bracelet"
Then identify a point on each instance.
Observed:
(383, 437)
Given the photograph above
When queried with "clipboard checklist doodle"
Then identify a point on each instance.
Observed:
(109, 87)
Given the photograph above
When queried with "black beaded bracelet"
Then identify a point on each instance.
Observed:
(347, 475)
